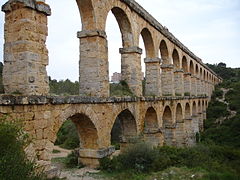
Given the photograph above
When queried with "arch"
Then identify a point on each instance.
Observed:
(164, 52)
(86, 130)
(204, 75)
(191, 67)
(124, 25)
(185, 64)
(167, 116)
(199, 106)
(194, 108)
(87, 14)
(179, 113)
(176, 60)
(196, 70)
(148, 43)
(187, 111)
(151, 120)
(201, 73)
(124, 127)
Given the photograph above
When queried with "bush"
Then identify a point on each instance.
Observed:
(67, 136)
(120, 89)
(14, 164)
(141, 158)
(71, 160)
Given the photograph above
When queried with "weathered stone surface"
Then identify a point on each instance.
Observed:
(36, 5)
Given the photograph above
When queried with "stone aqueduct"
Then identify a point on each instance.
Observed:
(178, 84)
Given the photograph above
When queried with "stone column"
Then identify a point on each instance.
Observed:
(153, 78)
(25, 52)
(93, 64)
(153, 137)
(180, 133)
(200, 121)
(91, 157)
(131, 68)
(190, 136)
(195, 119)
(193, 86)
(167, 80)
(170, 134)
(198, 84)
(178, 82)
(207, 88)
(187, 84)
(202, 87)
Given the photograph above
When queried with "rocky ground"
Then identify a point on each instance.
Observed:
(58, 169)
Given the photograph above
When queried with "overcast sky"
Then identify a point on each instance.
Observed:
(209, 28)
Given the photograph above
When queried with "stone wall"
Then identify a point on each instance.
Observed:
(43, 116)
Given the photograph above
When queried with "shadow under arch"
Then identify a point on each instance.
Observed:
(124, 129)
(87, 134)
(86, 130)
(180, 126)
(148, 43)
(164, 52)
(152, 133)
(169, 127)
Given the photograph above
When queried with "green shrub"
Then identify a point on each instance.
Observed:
(14, 164)
(67, 136)
(71, 160)
(120, 89)
(141, 158)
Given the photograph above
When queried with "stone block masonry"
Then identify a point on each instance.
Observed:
(25, 52)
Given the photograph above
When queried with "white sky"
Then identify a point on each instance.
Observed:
(209, 28)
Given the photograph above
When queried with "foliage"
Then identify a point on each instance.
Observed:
(67, 136)
(63, 87)
(14, 164)
(141, 158)
(71, 160)
(120, 89)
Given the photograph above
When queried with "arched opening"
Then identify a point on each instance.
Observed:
(176, 60)
(150, 122)
(194, 109)
(180, 127)
(191, 68)
(185, 64)
(201, 74)
(124, 130)
(151, 131)
(168, 123)
(148, 43)
(77, 132)
(195, 118)
(188, 125)
(64, 49)
(179, 115)
(197, 70)
(187, 111)
(86, 130)
(167, 116)
(119, 34)
(164, 52)
(178, 74)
